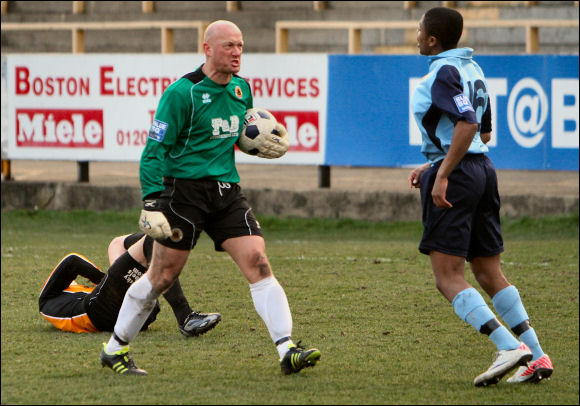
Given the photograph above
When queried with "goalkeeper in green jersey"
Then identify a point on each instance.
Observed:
(189, 184)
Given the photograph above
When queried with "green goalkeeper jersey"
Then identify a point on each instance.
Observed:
(194, 131)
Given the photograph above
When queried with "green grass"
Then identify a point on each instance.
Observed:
(358, 291)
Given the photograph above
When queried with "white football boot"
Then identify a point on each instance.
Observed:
(534, 372)
(503, 362)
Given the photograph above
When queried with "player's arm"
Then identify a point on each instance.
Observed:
(485, 130)
(447, 94)
(462, 137)
(163, 134)
(167, 125)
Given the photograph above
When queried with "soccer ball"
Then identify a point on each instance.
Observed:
(258, 125)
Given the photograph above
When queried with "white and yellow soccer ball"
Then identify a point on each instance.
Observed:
(262, 135)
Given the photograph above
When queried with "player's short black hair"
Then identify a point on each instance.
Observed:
(445, 24)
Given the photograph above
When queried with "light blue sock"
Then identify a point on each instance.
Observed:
(529, 337)
(508, 304)
(471, 308)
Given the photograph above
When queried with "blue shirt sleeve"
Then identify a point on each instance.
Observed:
(447, 95)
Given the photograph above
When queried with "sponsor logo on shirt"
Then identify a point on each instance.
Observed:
(223, 128)
(158, 130)
(463, 104)
(238, 92)
(205, 98)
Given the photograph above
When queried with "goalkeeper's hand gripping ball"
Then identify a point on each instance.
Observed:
(262, 135)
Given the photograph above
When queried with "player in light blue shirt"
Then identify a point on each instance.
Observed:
(460, 199)
(444, 97)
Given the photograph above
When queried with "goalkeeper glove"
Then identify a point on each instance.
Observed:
(276, 144)
(152, 221)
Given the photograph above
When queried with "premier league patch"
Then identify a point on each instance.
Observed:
(463, 104)
(158, 130)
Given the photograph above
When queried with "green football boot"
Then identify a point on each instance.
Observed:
(120, 362)
(298, 358)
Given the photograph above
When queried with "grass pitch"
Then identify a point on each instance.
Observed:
(359, 291)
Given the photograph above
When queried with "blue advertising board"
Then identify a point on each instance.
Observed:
(534, 101)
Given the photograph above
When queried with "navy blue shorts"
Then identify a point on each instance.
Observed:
(218, 208)
(471, 228)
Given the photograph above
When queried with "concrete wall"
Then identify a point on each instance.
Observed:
(372, 206)
(257, 20)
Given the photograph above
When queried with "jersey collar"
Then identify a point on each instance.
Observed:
(463, 53)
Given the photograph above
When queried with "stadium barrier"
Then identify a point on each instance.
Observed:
(78, 46)
(147, 7)
(355, 28)
(322, 203)
(78, 30)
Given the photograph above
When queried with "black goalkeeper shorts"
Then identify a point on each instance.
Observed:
(218, 208)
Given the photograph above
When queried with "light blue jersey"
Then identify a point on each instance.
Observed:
(454, 89)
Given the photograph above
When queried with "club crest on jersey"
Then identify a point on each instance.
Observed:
(158, 130)
(205, 98)
(463, 104)
(238, 92)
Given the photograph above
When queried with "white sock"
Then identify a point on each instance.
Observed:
(138, 303)
(272, 305)
(283, 348)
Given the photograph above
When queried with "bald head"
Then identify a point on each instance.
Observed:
(219, 29)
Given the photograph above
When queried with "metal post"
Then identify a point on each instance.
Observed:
(323, 176)
(281, 40)
(167, 41)
(83, 171)
(532, 40)
(7, 169)
(78, 47)
(354, 40)
(147, 7)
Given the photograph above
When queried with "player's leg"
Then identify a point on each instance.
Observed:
(66, 309)
(470, 306)
(140, 298)
(508, 303)
(117, 247)
(234, 229)
(138, 303)
(467, 302)
(486, 245)
(106, 299)
(446, 239)
(270, 301)
(64, 273)
(168, 259)
(190, 323)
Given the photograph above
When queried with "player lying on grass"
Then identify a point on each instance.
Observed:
(81, 309)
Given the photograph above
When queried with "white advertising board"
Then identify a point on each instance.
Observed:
(99, 107)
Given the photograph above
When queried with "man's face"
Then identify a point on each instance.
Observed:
(226, 50)
(422, 40)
